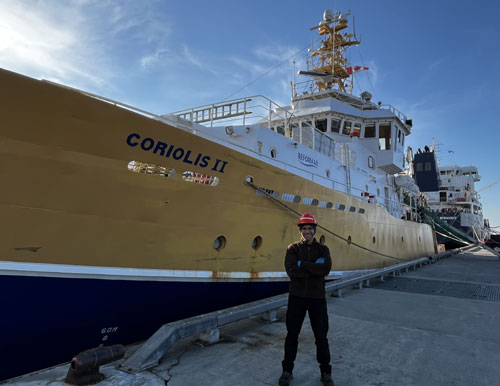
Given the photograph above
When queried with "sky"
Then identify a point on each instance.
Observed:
(437, 61)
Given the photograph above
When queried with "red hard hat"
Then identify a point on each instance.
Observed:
(307, 218)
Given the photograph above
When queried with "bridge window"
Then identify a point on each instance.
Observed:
(335, 123)
(370, 130)
(357, 129)
(321, 124)
(384, 135)
(346, 130)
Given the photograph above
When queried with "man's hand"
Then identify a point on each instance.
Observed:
(320, 260)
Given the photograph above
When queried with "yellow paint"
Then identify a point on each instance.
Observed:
(67, 191)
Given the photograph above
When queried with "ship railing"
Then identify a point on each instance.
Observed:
(207, 327)
(402, 117)
(248, 110)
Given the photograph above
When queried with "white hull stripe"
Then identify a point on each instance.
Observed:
(119, 273)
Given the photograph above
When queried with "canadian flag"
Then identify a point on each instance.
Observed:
(352, 69)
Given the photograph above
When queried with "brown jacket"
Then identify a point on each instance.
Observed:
(308, 280)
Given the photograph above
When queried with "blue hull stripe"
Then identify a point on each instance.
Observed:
(46, 321)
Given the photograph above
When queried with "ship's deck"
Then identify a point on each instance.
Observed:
(437, 325)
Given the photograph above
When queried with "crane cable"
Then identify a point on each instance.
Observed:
(268, 195)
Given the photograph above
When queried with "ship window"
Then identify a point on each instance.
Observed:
(346, 130)
(256, 242)
(293, 127)
(419, 167)
(370, 130)
(403, 141)
(384, 135)
(273, 152)
(357, 129)
(289, 197)
(340, 206)
(361, 210)
(281, 130)
(306, 124)
(321, 124)
(371, 163)
(325, 204)
(442, 196)
(442, 172)
(310, 201)
(200, 178)
(219, 243)
(267, 192)
(335, 125)
(427, 166)
(399, 136)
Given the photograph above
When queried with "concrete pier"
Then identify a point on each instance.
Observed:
(437, 325)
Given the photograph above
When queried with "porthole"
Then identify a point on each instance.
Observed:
(273, 152)
(340, 206)
(349, 240)
(327, 173)
(219, 243)
(256, 242)
(322, 239)
(373, 240)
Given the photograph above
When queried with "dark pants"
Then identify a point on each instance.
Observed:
(295, 314)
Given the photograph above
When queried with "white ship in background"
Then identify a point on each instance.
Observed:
(452, 196)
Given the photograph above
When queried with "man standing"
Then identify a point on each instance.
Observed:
(307, 262)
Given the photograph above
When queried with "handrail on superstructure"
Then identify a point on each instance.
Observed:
(229, 109)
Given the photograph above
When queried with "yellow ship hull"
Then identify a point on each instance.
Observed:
(68, 192)
(93, 252)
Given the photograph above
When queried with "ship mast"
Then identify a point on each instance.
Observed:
(327, 65)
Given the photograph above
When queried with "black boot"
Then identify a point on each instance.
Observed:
(327, 379)
(285, 378)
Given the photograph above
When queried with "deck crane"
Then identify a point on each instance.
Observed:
(488, 186)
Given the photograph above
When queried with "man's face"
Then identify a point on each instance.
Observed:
(307, 232)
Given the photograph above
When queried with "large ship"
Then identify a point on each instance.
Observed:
(115, 221)
(451, 197)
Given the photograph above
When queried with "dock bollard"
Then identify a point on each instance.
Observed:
(84, 367)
